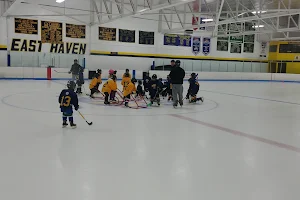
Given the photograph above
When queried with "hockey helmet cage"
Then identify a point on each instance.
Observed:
(71, 85)
(113, 77)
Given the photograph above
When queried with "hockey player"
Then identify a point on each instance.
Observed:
(125, 80)
(67, 99)
(139, 91)
(99, 72)
(128, 90)
(194, 88)
(127, 72)
(109, 89)
(146, 82)
(154, 89)
(168, 85)
(80, 80)
(94, 85)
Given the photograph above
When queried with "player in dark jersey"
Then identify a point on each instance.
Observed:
(67, 99)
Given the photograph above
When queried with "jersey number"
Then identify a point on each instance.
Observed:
(126, 85)
(65, 101)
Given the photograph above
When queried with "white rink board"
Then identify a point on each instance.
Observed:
(217, 76)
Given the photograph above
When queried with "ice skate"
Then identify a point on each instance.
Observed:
(73, 125)
(65, 124)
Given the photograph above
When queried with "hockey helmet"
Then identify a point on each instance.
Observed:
(126, 74)
(140, 82)
(127, 70)
(193, 75)
(133, 80)
(154, 76)
(97, 75)
(99, 71)
(177, 63)
(71, 85)
(111, 71)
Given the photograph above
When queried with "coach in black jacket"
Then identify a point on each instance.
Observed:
(177, 75)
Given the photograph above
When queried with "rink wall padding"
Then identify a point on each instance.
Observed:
(34, 73)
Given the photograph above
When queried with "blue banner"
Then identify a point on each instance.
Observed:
(196, 45)
(206, 46)
(177, 40)
(202, 22)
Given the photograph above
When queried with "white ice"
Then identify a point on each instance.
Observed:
(242, 143)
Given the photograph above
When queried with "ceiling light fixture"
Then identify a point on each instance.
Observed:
(207, 20)
(259, 12)
(258, 26)
(59, 1)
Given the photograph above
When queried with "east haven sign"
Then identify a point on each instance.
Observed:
(37, 46)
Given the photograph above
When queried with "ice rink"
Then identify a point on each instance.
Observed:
(242, 143)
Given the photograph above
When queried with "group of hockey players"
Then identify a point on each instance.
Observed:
(152, 85)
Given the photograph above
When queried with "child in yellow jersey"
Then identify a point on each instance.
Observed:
(125, 80)
(126, 72)
(128, 90)
(109, 88)
(99, 71)
(94, 85)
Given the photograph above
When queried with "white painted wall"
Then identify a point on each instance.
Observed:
(106, 62)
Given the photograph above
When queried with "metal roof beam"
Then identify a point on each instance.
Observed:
(11, 7)
(148, 10)
(245, 19)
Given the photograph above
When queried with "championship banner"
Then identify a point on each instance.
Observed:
(196, 45)
(177, 40)
(195, 21)
(202, 22)
(206, 46)
(263, 49)
(171, 39)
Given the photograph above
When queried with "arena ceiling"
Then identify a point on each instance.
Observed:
(275, 19)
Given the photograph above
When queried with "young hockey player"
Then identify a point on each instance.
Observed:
(67, 99)
(168, 84)
(126, 72)
(109, 89)
(154, 89)
(126, 80)
(80, 80)
(139, 91)
(99, 72)
(94, 85)
(146, 82)
(128, 90)
(194, 88)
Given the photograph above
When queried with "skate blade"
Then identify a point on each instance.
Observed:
(73, 127)
(64, 126)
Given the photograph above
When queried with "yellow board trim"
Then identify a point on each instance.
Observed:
(175, 56)
(2, 46)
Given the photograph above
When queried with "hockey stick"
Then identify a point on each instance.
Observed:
(89, 123)
(61, 72)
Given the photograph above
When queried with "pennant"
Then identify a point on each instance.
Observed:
(195, 21)
(206, 46)
(196, 45)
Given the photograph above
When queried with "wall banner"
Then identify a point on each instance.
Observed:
(196, 45)
(206, 46)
